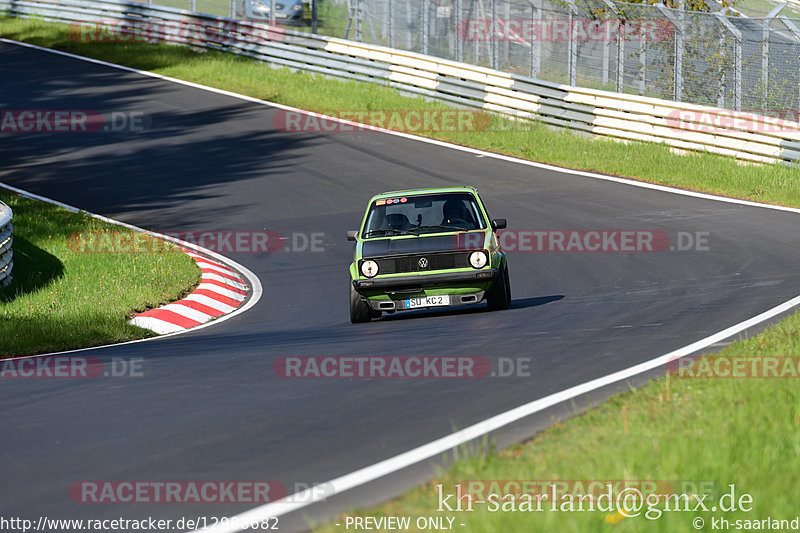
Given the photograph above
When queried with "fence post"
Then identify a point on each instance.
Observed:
(391, 23)
(737, 59)
(572, 56)
(493, 38)
(765, 34)
(677, 23)
(362, 20)
(314, 16)
(796, 33)
(620, 31)
(536, 39)
(464, 32)
(425, 24)
(642, 64)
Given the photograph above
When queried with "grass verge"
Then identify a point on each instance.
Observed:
(63, 297)
(715, 432)
(690, 434)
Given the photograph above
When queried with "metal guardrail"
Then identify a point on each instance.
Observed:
(745, 136)
(6, 241)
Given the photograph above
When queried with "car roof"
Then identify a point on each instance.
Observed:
(412, 192)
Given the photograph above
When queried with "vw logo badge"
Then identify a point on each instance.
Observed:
(423, 262)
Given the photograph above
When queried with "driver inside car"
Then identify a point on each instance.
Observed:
(456, 214)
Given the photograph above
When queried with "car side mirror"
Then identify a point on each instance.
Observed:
(498, 223)
(351, 235)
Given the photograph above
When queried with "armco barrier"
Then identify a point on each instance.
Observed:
(6, 240)
(743, 135)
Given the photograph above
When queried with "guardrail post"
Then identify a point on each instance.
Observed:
(314, 17)
(232, 8)
(6, 242)
(271, 12)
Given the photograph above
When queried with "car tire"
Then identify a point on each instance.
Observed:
(360, 311)
(499, 295)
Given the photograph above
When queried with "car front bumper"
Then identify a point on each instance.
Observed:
(419, 282)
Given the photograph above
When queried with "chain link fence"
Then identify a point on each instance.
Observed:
(733, 62)
(651, 50)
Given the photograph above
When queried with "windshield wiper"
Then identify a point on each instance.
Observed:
(391, 231)
(448, 228)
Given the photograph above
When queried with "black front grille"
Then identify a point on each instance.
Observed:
(411, 263)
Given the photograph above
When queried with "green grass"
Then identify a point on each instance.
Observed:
(742, 431)
(62, 298)
(760, 8)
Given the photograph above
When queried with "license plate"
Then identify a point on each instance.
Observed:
(281, 15)
(427, 301)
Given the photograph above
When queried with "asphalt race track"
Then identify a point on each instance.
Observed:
(209, 406)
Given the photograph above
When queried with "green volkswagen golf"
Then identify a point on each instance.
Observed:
(426, 248)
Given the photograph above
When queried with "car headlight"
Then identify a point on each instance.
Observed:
(297, 7)
(478, 259)
(369, 268)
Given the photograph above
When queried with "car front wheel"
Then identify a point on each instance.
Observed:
(499, 296)
(360, 311)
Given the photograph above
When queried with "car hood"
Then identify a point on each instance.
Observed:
(471, 240)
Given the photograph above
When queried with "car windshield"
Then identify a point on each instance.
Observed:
(419, 214)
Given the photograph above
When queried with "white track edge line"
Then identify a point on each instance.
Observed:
(253, 280)
(388, 466)
(437, 447)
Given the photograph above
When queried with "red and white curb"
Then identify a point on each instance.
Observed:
(220, 292)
